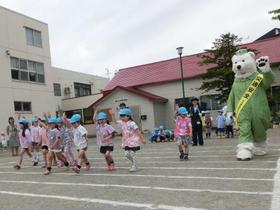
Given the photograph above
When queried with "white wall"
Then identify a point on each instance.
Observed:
(146, 106)
(41, 96)
(13, 39)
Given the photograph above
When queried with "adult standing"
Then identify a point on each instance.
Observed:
(196, 122)
(12, 133)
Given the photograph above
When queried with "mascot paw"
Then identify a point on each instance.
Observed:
(244, 151)
(260, 149)
(263, 64)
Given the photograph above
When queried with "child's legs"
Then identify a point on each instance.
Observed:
(69, 154)
(21, 153)
(108, 157)
(50, 157)
(45, 152)
(61, 157)
(29, 153)
(82, 157)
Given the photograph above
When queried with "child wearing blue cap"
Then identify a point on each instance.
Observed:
(67, 138)
(81, 143)
(55, 148)
(25, 139)
(131, 136)
(35, 128)
(183, 132)
(105, 138)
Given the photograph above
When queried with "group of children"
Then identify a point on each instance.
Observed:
(56, 138)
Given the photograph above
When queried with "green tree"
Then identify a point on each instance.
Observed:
(220, 76)
(276, 14)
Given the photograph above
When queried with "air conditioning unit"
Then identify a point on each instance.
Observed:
(67, 90)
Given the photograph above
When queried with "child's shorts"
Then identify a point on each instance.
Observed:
(126, 148)
(183, 140)
(45, 147)
(221, 130)
(104, 149)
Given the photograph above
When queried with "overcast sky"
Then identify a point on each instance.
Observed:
(91, 36)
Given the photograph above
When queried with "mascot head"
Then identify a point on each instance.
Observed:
(243, 63)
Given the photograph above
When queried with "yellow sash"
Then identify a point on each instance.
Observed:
(248, 93)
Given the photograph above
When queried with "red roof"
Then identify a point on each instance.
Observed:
(136, 91)
(169, 70)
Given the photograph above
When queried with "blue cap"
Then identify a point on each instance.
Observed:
(125, 111)
(75, 118)
(101, 116)
(59, 120)
(182, 110)
(34, 119)
(161, 127)
(23, 120)
(52, 120)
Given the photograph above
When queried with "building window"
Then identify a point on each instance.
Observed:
(82, 89)
(33, 37)
(88, 115)
(274, 101)
(57, 89)
(21, 106)
(26, 70)
(210, 102)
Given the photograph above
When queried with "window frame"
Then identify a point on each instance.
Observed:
(82, 89)
(28, 71)
(22, 105)
(56, 88)
(35, 34)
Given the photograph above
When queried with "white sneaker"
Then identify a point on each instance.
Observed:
(133, 168)
(260, 149)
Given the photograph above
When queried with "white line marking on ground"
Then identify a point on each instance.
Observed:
(100, 201)
(174, 156)
(138, 187)
(275, 203)
(7, 163)
(176, 168)
(198, 161)
(149, 175)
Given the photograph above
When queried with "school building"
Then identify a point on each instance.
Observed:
(29, 84)
(152, 90)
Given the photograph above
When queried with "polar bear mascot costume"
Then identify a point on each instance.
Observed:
(248, 101)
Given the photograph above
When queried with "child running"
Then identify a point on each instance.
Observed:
(183, 132)
(67, 139)
(131, 136)
(43, 140)
(81, 143)
(25, 139)
(35, 128)
(104, 136)
(55, 148)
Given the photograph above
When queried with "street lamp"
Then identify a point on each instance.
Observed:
(180, 51)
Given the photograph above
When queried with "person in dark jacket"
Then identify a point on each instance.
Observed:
(196, 122)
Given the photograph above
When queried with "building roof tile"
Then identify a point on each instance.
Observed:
(168, 70)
